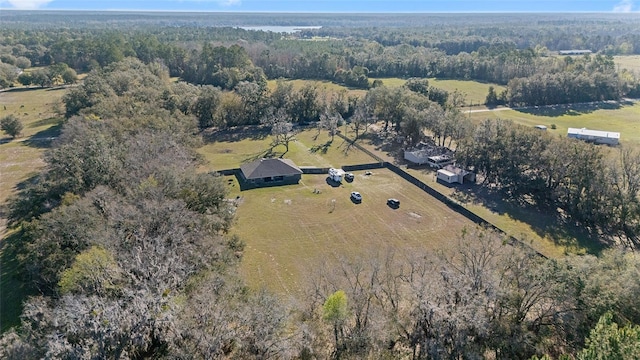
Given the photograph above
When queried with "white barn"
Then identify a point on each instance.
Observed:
(594, 136)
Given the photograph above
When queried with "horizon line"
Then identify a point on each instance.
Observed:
(328, 12)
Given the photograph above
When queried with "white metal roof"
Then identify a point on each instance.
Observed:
(597, 133)
(446, 172)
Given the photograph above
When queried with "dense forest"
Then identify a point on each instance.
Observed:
(512, 50)
(127, 245)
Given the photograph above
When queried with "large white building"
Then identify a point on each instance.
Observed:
(595, 136)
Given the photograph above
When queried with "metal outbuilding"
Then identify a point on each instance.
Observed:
(594, 136)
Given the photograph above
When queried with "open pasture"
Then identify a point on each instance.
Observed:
(19, 159)
(629, 62)
(542, 230)
(323, 87)
(230, 148)
(475, 92)
(623, 118)
(289, 229)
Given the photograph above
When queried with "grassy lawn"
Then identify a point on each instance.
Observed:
(540, 229)
(229, 149)
(289, 229)
(609, 117)
(322, 86)
(629, 62)
(20, 159)
(475, 92)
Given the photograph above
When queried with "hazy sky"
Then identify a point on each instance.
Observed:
(334, 5)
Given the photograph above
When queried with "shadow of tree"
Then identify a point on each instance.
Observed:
(13, 281)
(265, 154)
(545, 221)
(321, 148)
(570, 109)
(44, 139)
(48, 121)
(236, 134)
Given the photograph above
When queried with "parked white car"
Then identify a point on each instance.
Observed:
(355, 196)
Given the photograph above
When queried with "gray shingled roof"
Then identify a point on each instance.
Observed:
(265, 168)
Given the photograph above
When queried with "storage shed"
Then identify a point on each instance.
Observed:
(453, 174)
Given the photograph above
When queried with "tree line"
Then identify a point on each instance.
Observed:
(225, 56)
(597, 187)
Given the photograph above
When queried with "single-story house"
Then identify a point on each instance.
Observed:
(267, 172)
(453, 174)
(594, 136)
(541, 127)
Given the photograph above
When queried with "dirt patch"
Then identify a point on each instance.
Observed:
(414, 215)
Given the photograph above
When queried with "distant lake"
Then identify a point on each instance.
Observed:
(280, 29)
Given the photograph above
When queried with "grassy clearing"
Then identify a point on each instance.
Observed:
(475, 92)
(542, 230)
(323, 86)
(329, 226)
(390, 82)
(20, 159)
(629, 62)
(539, 229)
(229, 149)
(604, 116)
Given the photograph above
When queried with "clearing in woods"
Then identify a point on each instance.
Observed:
(289, 229)
(20, 159)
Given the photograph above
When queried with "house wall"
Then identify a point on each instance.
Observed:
(607, 141)
(409, 156)
(447, 177)
(285, 180)
(595, 139)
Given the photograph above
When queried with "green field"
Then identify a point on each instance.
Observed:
(289, 229)
(322, 86)
(286, 228)
(475, 92)
(234, 147)
(19, 159)
(629, 62)
(622, 118)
